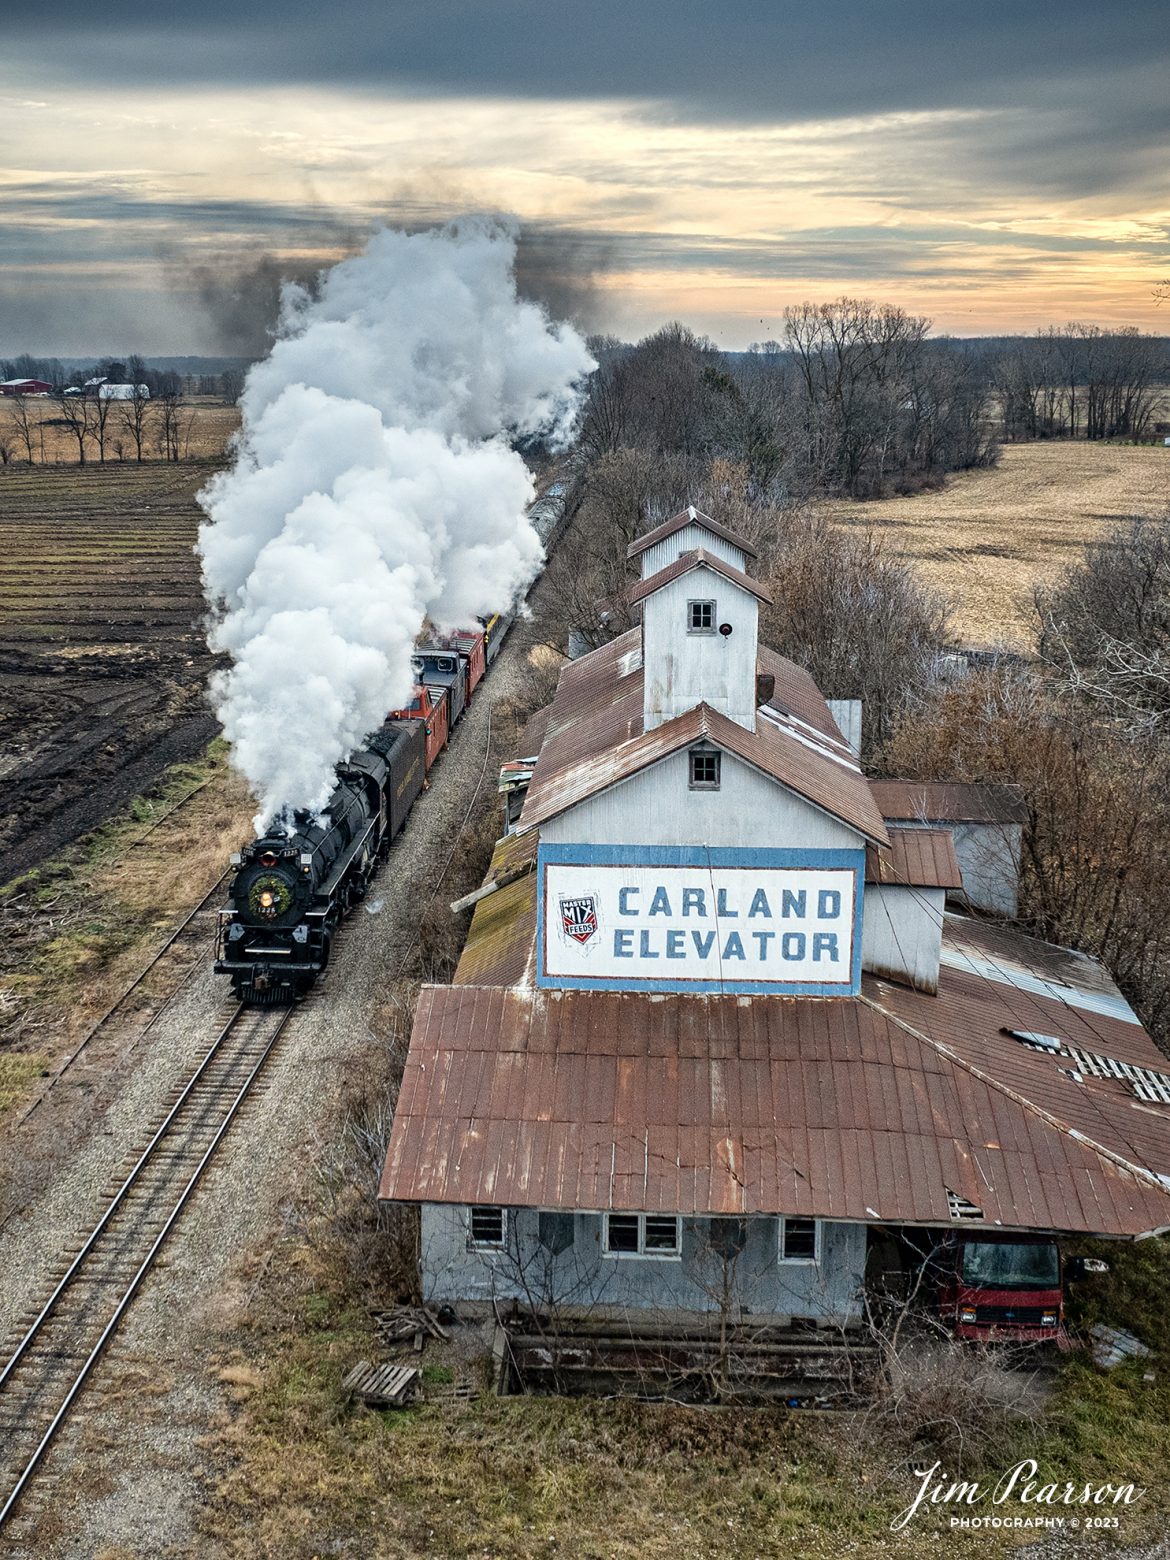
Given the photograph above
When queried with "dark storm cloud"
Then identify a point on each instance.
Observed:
(768, 59)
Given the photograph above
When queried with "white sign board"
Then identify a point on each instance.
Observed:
(750, 924)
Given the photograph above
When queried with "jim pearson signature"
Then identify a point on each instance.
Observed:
(1019, 1484)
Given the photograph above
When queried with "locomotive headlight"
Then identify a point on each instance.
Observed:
(266, 900)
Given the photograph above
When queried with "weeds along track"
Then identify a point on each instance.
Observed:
(55, 1349)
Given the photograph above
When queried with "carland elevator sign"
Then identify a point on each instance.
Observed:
(687, 918)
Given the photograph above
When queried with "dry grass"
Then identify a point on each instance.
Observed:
(78, 931)
(989, 536)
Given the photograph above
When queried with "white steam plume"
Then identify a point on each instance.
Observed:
(374, 487)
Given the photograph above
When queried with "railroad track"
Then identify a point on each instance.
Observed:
(57, 1347)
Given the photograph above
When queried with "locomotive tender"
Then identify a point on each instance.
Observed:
(291, 889)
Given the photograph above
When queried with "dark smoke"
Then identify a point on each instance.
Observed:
(559, 268)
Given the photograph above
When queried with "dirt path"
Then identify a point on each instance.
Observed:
(988, 536)
(125, 1478)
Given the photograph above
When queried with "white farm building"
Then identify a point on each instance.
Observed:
(717, 1003)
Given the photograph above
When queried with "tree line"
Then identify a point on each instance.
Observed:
(119, 371)
(1079, 381)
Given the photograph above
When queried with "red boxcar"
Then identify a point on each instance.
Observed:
(430, 706)
(469, 643)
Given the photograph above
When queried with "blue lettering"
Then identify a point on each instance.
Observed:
(794, 904)
(828, 904)
(622, 938)
(792, 945)
(674, 945)
(644, 947)
(696, 897)
(721, 906)
(825, 943)
(763, 938)
(703, 943)
(733, 948)
(660, 904)
(624, 900)
(760, 905)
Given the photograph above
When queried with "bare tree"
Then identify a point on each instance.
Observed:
(173, 424)
(76, 413)
(24, 426)
(8, 441)
(103, 407)
(135, 417)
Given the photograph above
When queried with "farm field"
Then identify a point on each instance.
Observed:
(103, 662)
(987, 537)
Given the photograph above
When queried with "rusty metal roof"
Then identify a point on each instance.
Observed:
(945, 801)
(837, 788)
(697, 558)
(921, 858)
(862, 1109)
(795, 693)
(532, 736)
(685, 517)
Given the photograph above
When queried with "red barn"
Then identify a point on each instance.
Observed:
(24, 387)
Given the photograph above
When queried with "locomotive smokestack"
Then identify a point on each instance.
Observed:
(373, 487)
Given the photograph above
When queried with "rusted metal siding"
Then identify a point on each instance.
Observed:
(848, 1109)
(944, 801)
(923, 858)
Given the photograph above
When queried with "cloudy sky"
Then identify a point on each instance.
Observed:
(997, 167)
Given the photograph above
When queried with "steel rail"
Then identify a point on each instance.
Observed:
(147, 1262)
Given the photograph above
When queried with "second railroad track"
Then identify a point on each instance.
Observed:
(49, 1360)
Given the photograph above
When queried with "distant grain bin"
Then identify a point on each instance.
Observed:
(123, 392)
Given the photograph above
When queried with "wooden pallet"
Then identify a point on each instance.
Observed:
(382, 1386)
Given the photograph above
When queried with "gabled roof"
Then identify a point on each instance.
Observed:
(835, 787)
(697, 558)
(947, 801)
(838, 1109)
(918, 858)
(685, 517)
(594, 737)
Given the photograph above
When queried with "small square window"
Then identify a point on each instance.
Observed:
(705, 769)
(700, 617)
(661, 1234)
(800, 1240)
(487, 1227)
(621, 1232)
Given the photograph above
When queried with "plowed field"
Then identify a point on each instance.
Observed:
(103, 662)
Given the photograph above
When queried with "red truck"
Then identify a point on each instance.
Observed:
(1002, 1288)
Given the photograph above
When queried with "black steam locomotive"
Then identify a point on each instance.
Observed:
(291, 889)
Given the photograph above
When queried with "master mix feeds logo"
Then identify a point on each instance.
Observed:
(579, 919)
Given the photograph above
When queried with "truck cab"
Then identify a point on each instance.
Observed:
(1001, 1288)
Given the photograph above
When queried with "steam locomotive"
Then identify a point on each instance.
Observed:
(291, 890)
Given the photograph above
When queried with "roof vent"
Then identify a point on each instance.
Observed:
(959, 1208)
(1037, 1041)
